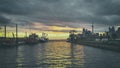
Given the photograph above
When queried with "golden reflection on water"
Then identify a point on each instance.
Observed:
(62, 55)
(55, 54)
(19, 59)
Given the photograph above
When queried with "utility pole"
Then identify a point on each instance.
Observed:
(16, 33)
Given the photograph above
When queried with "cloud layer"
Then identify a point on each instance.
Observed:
(70, 13)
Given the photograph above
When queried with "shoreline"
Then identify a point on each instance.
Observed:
(102, 45)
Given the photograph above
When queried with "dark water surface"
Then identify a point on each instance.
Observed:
(58, 54)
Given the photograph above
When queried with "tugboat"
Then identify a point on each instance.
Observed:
(43, 38)
(32, 39)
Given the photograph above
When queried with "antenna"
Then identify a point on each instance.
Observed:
(92, 28)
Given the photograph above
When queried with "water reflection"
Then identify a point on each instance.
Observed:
(30, 56)
(7, 57)
(62, 54)
(77, 56)
(51, 55)
(58, 54)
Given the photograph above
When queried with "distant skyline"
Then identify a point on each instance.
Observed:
(60, 15)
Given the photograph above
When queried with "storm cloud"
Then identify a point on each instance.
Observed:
(4, 20)
(61, 12)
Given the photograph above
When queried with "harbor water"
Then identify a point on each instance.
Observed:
(57, 54)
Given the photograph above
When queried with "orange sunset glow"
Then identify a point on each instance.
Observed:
(54, 32)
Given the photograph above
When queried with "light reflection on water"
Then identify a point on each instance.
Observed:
(51, 55)
(58, 54)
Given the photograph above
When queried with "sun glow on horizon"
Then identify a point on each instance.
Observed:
(26, 32)
(54, 32)
(51, 35)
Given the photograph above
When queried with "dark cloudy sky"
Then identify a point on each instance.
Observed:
(71, 13)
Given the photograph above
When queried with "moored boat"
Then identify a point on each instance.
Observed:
(32, 39)
(43, 38)
(9, 42)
